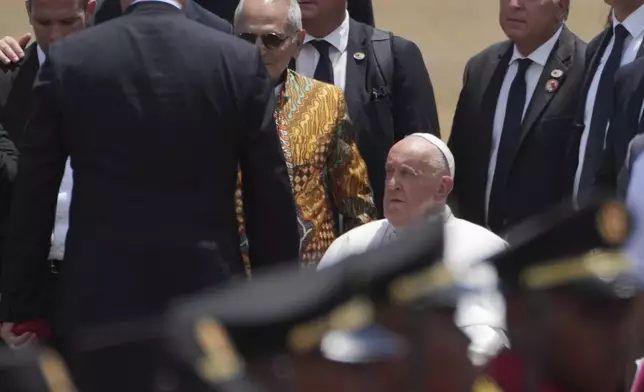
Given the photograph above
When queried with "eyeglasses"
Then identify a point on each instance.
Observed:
(269, 40)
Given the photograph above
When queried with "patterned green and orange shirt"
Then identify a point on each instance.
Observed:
(324, 165)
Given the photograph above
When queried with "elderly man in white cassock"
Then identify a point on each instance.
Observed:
(420, 176)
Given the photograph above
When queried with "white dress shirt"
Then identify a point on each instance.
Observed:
(539, 59)
(635, 203)
(57, 250)
(634, 24)
(308, 58)
(466, 246)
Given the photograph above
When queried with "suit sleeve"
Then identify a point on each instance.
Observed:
(8, 159)
(458, 138)
(33, 206)
(269, 208)
(413, 94)
(348, 175)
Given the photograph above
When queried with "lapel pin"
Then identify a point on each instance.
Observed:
(552, 85)
(358, 56)
(556, 73)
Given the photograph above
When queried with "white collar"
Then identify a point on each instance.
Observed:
(541, 54)
(171, 2)
(634, 23)
(41, 55)
(338, 38)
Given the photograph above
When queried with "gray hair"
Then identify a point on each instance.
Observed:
(293, 20)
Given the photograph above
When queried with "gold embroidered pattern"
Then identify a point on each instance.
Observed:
(326, 168)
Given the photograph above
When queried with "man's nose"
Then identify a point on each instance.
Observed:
(516, 3)
(392, 183)
(56, 32)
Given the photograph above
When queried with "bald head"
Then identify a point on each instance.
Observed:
(418, 179)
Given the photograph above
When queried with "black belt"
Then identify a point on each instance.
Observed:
(55, 266)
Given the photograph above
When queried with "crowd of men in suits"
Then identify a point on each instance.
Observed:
(148, 154)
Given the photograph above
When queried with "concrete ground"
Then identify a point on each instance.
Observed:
(447, 31)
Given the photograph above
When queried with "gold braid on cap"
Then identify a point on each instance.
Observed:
(354, 314)
(221, 361)
(605, 265)
(413, 287)
(55, 372)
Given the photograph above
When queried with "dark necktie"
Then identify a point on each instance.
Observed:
(510, 137)
(324, 69)
(602, 110)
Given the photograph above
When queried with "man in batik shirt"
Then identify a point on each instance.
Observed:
(329, 177)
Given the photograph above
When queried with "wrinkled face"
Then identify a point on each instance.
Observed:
(531, 21)
(54, 19)
(315, 10)
(266, 24)
(590, 342)
(412, 187)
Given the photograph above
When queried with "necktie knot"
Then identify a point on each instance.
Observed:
(322, 47)
(524, 64)
(621, 33)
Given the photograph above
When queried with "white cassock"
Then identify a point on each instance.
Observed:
(479, 315)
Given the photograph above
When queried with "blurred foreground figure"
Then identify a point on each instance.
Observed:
(570, 294)
(382, 322)
(420, 176)
(152, 211)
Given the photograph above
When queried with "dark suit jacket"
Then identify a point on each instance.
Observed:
(537, 178)
(110, 9)
(16, 81)
(629, 94)
(380, 122)
(8, 168)
(634, 151)
(152, 213)
(607, 167)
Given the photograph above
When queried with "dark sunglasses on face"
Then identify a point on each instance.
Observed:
(269, 40)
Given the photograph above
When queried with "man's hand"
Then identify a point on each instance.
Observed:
(14, 341)
(11, 51)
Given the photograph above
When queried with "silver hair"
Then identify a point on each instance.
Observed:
(293, 20)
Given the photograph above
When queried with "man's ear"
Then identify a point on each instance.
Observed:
(445, 187)
(299, 39)
(91, 7)
(28, 8)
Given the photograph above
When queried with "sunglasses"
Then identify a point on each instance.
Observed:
(269, 40)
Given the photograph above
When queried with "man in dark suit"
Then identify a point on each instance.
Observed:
(384, 78)
(617, 45)
(625, 123)
(110, 9)
(50, 20)
(511, 130)
(153, 213)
